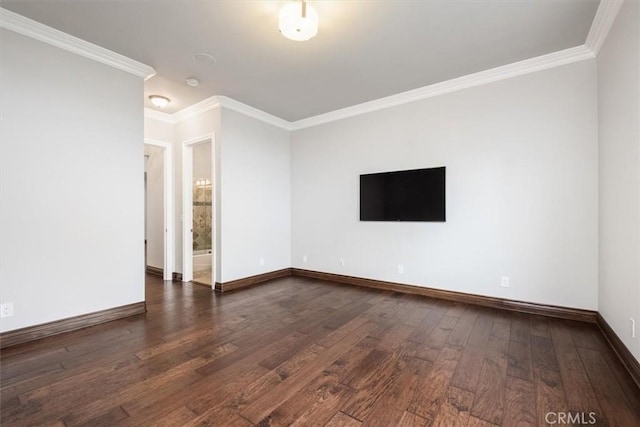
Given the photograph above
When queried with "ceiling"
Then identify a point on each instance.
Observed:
(364, 50)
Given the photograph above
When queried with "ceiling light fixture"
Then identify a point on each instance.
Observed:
(159, 101)
(298, 21)
(193, 82)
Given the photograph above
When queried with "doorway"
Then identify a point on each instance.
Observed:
(198, 211)
(159, 224)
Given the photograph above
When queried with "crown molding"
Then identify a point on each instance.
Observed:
(197, 108)
(250, 111)
(30, 28)
(555, 59)
(551, 60)
(215, 102)
(602, 22)
(184, 114)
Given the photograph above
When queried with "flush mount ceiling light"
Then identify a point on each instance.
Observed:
(298, 21)
(159, 101)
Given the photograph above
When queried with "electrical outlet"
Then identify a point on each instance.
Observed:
(6, 310)
(304, 259)
(341, 262)
(504, 282)
(261, 261)
(633, 327)
(400, 269)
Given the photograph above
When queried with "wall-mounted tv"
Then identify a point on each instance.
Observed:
(411, 195)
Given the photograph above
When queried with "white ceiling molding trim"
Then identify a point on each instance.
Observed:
(250, 111)
(555, 59)
(563, 57)
(150, 113)
(602, 22)
(197, 108)
(215, 102)
(30, 28)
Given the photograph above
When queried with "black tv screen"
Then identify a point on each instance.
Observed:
(412, 195)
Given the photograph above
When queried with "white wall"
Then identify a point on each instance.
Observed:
(521, 158)
(154, 233)
(619, 148)
(256, 196)
(71, 169)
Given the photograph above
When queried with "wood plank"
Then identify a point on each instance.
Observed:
(477, 422)
(429, 392)
(143, 401)
(433, 344)
(352, 361)
(520, 408)
(616, 408)
(260, 408)
(467, 374)
(109, 418)
(180, 342)
(266, 343)
(456, 408)
(361, 404)
(550, 395)
(540, 327)
(371, 366)
(463, 328)
(429, 323)
(490, 396)
(289, 347)
(379, 380)
(341, 419)
(392, 338)
(333, 337)
(519, 362)
(204, 394)
(521, 329)
(390, 408)
(179, 417)
(316, 403)
(415, 311)
(572, 371)
(412, 420)
(181, 375)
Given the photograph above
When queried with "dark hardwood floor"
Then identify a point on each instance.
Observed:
(312, 353)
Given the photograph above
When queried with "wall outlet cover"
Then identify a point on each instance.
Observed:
(6, 310)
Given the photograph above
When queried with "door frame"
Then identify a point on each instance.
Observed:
(167, 172)
(187, 207)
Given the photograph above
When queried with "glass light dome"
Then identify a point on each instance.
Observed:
(298, 21)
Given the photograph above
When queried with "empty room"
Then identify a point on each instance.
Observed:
(320, 213)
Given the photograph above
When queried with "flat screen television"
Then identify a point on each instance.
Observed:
(411, 195)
